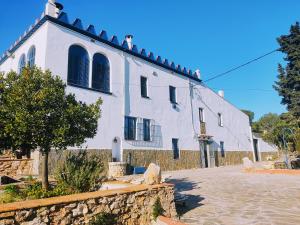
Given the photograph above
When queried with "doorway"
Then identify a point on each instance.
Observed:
(255, 145)
(204, 154)
(117, 154)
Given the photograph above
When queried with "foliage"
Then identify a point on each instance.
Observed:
(157, 209)
(11, 194)
(80, 173)
(36, 113)
(266, 123)
(36, 191)
(250, 114)
(104, 219)
(271, 127)
(288, 84)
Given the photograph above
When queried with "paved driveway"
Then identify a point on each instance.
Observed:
(225, 195)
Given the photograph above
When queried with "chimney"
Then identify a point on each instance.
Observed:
(221, 93)
(197, 73)
(129, 38)
(53, 8)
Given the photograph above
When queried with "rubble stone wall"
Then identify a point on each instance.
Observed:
(132, 206)
(16, 167)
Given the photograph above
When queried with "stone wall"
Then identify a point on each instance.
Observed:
(232, 157)
(16, 167)
(56, 158)
(132, 206)
(266, 155)
(164, 158)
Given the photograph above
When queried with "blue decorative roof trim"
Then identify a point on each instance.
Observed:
(78, 24)
(91, 29)
(102, 37)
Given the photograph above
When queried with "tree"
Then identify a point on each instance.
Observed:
(40, 115)
(250, 114)
(270, 126)
(288, 84)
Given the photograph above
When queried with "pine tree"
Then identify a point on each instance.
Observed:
(288, 84)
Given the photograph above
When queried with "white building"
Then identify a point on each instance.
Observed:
(153, 110)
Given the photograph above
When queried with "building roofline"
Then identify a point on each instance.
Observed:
(62, 20)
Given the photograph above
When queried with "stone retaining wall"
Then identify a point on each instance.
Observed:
(266, 155)
(164, 158)
(232, 157)
(132, 206)
(16, 167)
(56, 158)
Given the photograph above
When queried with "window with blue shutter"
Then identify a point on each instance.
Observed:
(101, 73)
(31, 56)
(78, 66)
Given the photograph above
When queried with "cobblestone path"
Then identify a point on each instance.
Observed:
(226, 195)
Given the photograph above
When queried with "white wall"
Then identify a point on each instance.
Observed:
(264, 146)
(52, 43)
(39, 40)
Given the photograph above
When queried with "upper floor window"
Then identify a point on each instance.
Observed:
(22, 63)
(220, 119)
(130, 128)
(172, 91)
(146, 129)
(31, 56)
(78, 66)
(144, 89)
(101, 73)
(201, 115)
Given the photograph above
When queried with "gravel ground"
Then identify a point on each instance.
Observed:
(226, 195)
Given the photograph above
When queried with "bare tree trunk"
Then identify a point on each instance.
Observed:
(45, 181)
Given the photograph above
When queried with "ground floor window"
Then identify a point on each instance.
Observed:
(130, 128)
(146, 129)
(175, 148)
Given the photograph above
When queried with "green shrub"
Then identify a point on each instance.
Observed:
(36, 191)
(157, 209)
(104, 219)
(11, 194)
(80, 173)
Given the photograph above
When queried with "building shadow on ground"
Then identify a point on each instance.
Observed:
(190, 201)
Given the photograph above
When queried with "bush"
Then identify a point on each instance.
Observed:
(157, 209)
(11, 194)
(80, 173)
(36, 191)
(104, 219)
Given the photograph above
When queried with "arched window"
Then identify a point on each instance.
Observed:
(31, 56)
(78, 66)
(101, 73)
(22, 63)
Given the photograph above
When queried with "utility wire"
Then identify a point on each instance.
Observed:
(240, 66)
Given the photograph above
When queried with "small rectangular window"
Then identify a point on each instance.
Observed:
(222, 148)
(201, 115)
(130, 128)
(172, 91)
(146, 128)
(144, 91)
(220, 119)
(175, 148)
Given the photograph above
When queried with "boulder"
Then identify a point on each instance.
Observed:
(152, 174)
(247, 163)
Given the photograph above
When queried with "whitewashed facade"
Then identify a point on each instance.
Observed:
(53, 35)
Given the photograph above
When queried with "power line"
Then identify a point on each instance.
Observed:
(240, 66)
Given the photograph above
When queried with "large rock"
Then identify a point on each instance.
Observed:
(152, 174)
(247, 163)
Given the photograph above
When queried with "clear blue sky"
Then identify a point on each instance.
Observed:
(210, 35)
